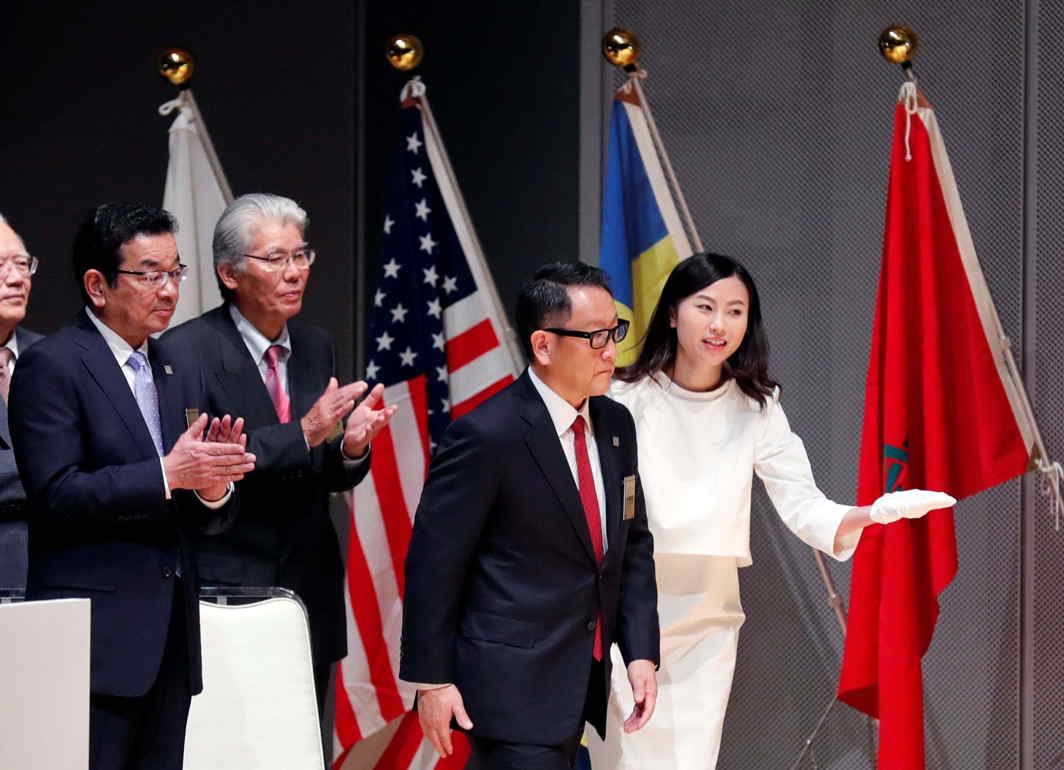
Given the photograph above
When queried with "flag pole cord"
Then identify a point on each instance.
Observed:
(634, 77)
(415, 88)
(1052, 472)
(188, 101)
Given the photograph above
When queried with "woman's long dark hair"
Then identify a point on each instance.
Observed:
(748, 365)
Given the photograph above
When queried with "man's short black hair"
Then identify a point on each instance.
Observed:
(544, 300)
(106, 229)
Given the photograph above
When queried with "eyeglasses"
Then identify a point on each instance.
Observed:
(598, 338)
(302, 259)
(155, 279)
(24, 264)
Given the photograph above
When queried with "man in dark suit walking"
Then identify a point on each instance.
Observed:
(280, 374)
(17, 267)
(530, 553)
(108, 432)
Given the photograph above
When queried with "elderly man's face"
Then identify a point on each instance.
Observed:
(14, 283)
(270, 293)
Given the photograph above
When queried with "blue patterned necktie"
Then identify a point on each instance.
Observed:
(147, 397)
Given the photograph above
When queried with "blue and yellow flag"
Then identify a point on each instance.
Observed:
(642, 235)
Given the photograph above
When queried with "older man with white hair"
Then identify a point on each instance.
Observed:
(17, 267)
(302, 426)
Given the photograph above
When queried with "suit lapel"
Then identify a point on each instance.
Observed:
(546, 449)
(303, 391)
(171, 410)
(239, 375)
(102, 366)
(611, 481)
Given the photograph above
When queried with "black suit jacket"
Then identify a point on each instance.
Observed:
(284, 536)
(502, 586)
(13, 529)
(100, 524)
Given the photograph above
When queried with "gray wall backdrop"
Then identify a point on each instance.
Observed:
(777, 116)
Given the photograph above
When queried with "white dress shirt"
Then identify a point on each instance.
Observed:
(257, 345)
(562, 414)
(122, 350)
(12, 345)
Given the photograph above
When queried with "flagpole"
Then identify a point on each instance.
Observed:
(477, 262)
(898, 44)
(620, 47)
(634, 76)
(178, 65)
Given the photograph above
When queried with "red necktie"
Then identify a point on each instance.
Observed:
(591, 509)
(278, 394)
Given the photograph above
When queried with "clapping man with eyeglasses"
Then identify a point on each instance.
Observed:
(307, 434)
(530, 553)
(123, 471)
(16, 273)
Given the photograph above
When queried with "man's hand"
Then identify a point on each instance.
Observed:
(434, 710)
(206, 466)
(644, 681)
(366, 422)
(333, 404)
(223, 431)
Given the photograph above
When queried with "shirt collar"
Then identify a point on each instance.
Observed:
(256, 341)
(12, 344)
(561, 411)
(120, 349)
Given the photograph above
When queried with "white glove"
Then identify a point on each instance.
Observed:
(908, 504)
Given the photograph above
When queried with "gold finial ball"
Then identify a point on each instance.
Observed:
(404, 52)
(898, 43)
(177, 65)
(621, 47)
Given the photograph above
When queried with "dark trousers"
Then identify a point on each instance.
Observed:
(147, 733)
(500, 755)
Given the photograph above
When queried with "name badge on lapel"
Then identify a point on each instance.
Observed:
(629, 498)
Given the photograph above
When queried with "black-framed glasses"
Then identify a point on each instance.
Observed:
(154, 279)
(302, 259)
(598, 338)
(22, 263)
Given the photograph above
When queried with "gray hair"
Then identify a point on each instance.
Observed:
(240, 222)
(2, 220)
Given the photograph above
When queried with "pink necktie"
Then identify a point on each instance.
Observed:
(591, 509)
(5, 371)
(278, 394)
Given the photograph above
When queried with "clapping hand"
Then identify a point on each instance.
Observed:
(208, 465)
(366, 422)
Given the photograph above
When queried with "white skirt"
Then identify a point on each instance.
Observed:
(700, 615)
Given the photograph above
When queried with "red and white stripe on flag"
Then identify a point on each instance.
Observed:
(437, 344)
(942, 412)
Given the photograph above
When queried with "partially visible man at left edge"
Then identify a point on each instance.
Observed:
(16, 270)
(108, 431)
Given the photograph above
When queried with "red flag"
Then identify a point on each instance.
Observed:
(943, 411)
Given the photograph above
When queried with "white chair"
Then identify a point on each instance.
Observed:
(258, 709)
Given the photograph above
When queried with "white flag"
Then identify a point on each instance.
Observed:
(194, 195)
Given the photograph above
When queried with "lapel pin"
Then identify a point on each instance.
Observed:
(616, 441)
(167, 369)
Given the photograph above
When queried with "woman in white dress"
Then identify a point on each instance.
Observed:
(707, 418)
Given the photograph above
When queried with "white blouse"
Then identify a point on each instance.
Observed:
(697, 456)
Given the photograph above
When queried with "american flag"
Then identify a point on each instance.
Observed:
(438, 342)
